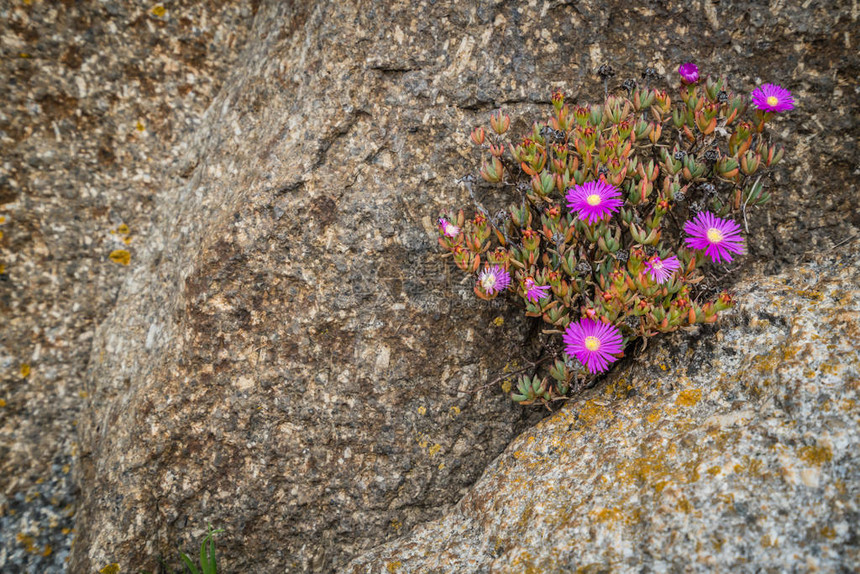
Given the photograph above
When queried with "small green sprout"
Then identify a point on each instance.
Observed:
(208, 564)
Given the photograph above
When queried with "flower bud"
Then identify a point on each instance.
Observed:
(689, 73)
(724, 301)
(655, 133)
(557, 100)
(581, 114)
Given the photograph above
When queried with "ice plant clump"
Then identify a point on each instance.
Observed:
(594, 200)
(719, 238)
(593, 343)
(614, 210)
(772, 98)
(689, 73)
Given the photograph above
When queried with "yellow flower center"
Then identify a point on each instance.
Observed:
(592, 343)
(715, 235)
(488, 281)
(657, 264)
(593, 199)
(772, 101)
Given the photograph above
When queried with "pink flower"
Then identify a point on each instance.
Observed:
(533, 291)
(718, 237)
(689, 73)
(661, 270)
(494, 280)
(593, 343)
(594, 200)
(447, 228)
(772, 98)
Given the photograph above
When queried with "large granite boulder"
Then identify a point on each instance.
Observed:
(288, 359)
(733, 448)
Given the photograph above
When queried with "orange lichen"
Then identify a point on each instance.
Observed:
(27, 541)
(688, 398)
(606, 514)
(751, 466)
(110, 569)
(815, 455)
(121, 256)
(591, 412)
(813, 295)
(393, 566)
(620, 389)
(25, 370)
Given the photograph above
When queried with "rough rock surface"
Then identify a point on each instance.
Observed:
(93, 95)
(736, 449)
(290, 274)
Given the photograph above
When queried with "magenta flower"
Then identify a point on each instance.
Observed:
(689, 73)
(494, 280)
(593, 200)
(772, 98)
(533, 291)
(661, 270)
(447, 228)
(593, 343)
(718, 237)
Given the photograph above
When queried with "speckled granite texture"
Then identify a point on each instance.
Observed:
(735, 449)
(284, 356)
(96, 99)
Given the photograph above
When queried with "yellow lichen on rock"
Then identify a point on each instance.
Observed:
(121, 256)
(815, 455)
(688, 398)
